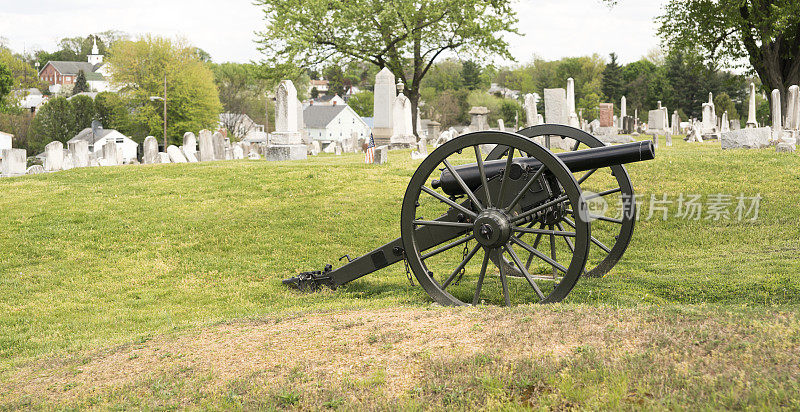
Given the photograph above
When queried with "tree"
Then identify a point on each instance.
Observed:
(612, 85)
(765, 32)
(362, 103)
(444, 75)
(22, 72)
(55, 121)
(83, 112)
(241, 93)
(6, 82)
(139, 69)
(404, 35)
(471, 74)
(113, 112)
(589, 104)
(723, 103)
(314, 92)
(80, 84)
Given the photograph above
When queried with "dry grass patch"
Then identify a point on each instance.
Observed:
(554, 356)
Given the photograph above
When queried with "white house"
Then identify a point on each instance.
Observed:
(243, 127)
(5, 142)
(98, 138)
(334, 123)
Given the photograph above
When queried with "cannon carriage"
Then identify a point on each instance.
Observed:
(495, 217)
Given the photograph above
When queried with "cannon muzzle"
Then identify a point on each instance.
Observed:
(577, 161)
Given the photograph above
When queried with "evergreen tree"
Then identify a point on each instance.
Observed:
(80, 84)
(612, 86)
(471, 74)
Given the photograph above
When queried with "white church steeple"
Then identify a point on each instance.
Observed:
(95, 57)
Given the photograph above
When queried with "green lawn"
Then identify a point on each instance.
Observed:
(100, 258)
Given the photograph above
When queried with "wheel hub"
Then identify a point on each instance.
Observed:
(492, 228)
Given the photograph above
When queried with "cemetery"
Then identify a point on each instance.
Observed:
(572, 234)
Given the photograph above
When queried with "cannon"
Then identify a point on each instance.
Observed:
(538, 217)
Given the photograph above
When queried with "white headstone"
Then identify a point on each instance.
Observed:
(68, 163)
(572, 116)
(402, 128)
(748, 138)
(286, 117)
(777, 126)
(189, 143)
(110, 154)
(422, 149)
(792, 102)
(150, 149)
(383, 105)
(725, 125)
(206, 141)
(14, 162)
(218, 141)
(531, 114)
(555, 106)
(80, 153)
(501, 126)
(54, 156)
(175, 154)
(164, 157)
(751, 108)
(623, 108)
(381, 155)
(238, 152)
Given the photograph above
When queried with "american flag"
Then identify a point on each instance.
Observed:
(369, 157)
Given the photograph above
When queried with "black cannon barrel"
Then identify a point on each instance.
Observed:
(577, 161)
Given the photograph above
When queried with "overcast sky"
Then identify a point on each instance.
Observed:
(225, 29)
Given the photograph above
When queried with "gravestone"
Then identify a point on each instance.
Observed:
(655, 121)
(385, 93)
(206, 142)
(555, 106)
(175, 154)
(676, 123)
(189, 144)
(164, 158)
(286, 143)
(218, 141)
(572, 117)
(752, 138)
(623, 111)
(479, 119)
(315, 148)
(54, 156)
(191, 157)
(531, 113)
(150, 151)
(68, 162)
(110, 154)
(725, 126)
(238, 152)
(792, 123)
(669, 139)
(777, 125)
(784, 147)
(422, 149)
(751, 109)
(606, 114)
(501, 126)
(337, 149)
(402, 128)
(381, 155)
(434, 129)
(735, 124)
(253, 155)
(14, 162)
(80, 153)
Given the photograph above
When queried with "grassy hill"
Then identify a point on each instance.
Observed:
(145, 286)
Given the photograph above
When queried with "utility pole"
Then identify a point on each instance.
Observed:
(165, 112)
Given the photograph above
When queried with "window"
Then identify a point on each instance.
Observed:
(121, 140)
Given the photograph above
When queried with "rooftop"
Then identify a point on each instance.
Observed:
(319, 116)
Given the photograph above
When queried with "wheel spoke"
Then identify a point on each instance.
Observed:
(448, 246)
(539, 254)
(543, 232)
(525, 189)
(484, 181)
(604, 193)
(592, 238)
(448, 201)
(566, 238)
(524, 271)
(577, 143)
(606, 219)
(461, 266)
(539, 208)
(443, 223)
(503, 279)
(586, 176)
(477, 297)
(553, 251)
(463, 185)
(506, 172)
